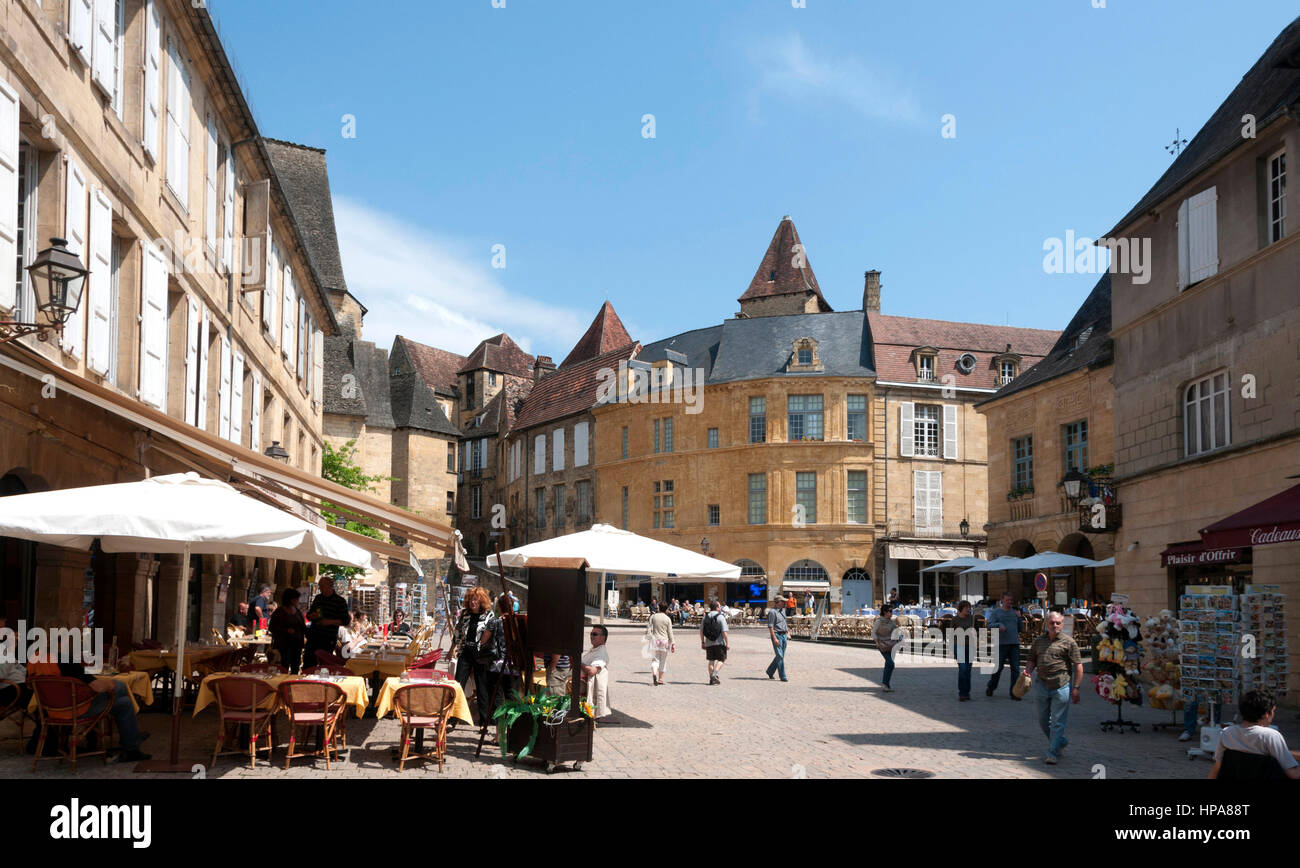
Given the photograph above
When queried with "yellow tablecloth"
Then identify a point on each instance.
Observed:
(459, 709)
(389, 666)
(137, 684)
(152, 659)
(353, 687)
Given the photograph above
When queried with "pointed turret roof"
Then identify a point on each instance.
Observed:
(605, 333)
(500, 354)
(785, 269)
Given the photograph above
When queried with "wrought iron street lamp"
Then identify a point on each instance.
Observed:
(964, 527)
(58, 280)
(1073, 483)
(704, 545)
(276, 451)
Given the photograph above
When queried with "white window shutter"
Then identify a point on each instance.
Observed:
(1203, 235)
(920, 498)
(228, 231)
(104, 61)
(557, 449)
(300, 338)
(906, 430)
(580, 446)
(8, 189)
(1184, 254)
(192, 332)
(81, 21)
(936, 499)
(949, 430)
(223, 391)
(205, 335)
(271, 294)
(317, 362)
(255, 417)
(178, 125)
(210, 183)
(539, 454)
(152, 77)
(286, 317)
(237, 398)
(153, 328)
(99, 289)
(74, 231)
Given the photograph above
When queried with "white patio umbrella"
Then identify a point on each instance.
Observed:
(1053, 560)
(955, 565)
(997, 565)
(182, 513)
(1108, 562)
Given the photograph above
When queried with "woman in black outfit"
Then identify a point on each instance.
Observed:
(474, 649)
(288, 631)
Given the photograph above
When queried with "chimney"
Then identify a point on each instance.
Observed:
(543, 366)
(871, 292)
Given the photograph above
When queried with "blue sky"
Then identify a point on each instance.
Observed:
(477, 126)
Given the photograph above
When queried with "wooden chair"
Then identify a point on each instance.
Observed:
(218, 637)
(424, 706)
(247, 702)
(17, 707)
(64, 704)
(426, 661)
(318, 705)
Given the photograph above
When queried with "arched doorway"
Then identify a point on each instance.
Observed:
(803, 577)
(17, 565)
(752, 587)
(856, 590)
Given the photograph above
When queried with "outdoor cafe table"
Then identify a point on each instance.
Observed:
(137, 686)
(389, 664)
(152, 659)
(459, 708)
(353, 687)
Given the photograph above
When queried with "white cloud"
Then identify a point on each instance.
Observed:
(790, 70)
(436, 290)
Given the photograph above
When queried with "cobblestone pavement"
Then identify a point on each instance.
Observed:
(830, 720)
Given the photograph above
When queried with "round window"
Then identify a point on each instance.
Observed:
(966, 363)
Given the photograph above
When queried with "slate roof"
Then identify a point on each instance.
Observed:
(437, 367)
(305, 180)
(605, 333)
(778, 275)
(1091, 322)
(1270, 87)
(414, 406)
(498, 416)
(896, 338)
(571, 389)
(700, 346)
(749, 349)
(499, 353)
(356, 381)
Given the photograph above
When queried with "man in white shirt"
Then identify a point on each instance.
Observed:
(595, 670)
(1254, 737)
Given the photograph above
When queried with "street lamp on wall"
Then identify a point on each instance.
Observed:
(58, 280)
(276, 451)
(964, 527)
(704, 545)
(1073, 483)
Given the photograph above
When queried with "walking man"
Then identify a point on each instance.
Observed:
(777, 627)
(1060, 672)
(964, 644)
(883, 631)
(1006, 620)
(713, 639)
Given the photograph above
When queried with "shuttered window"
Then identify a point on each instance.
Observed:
(927, 498)
(210, 186)
(9, 280)
(193, 330)
(237, 398)
(580, 445)
(152, 77)
(178, 125)
(1198, 238)
(539, 454)
(223, 391)
(105, 38)
(205, 338)
(74, 231)
(81, 23)
(101, 305)
(255, 415)
(153, 328)
(557, 450)
(950, 431)
(290, 298)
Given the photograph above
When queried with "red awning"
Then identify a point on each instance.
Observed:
(1194, 553)
(1275, 520)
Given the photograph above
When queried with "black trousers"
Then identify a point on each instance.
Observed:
(467, 667)
(291, 658)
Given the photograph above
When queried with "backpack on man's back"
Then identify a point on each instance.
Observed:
(712, 626)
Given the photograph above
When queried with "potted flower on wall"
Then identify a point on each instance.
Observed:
(1020, 491)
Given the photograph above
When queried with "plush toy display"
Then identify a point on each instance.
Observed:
(1160, 667)
(1119, 656)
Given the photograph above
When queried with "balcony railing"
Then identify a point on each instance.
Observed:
(1003, 379)
(940, 530)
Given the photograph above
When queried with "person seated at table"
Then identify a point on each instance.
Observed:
(17, 673)
(595, 673)
(258, 608)
(289, 631)
(401, 627)
(1255, 738)
(240, 619)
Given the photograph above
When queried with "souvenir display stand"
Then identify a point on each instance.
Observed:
(1160, 667)
(1209, 636)
(1119, 656)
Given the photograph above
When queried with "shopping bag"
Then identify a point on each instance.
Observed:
(1021, 687)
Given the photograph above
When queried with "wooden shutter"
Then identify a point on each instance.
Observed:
(557, 450)
(178, 125)
(192, 332)
(228, 230)
(210, 184)
(936, 499)
(153, 327)
(927, 498)
(286, 315)
(205, 336)
(1203, 235)
(8, 191)
(99, 286)
(104, 61)
(301, 346)
(81, 22)
(317, 361)
(271, 294)
(255, 417)
(152, 77)
(906, 430)
(237, 398)
(539, 454)
(74, 231)
(255, 257)
(949, 430)
(223, 391)
(580, 446)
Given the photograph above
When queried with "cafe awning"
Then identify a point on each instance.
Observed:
(1194, 553)
(926, 552)
(809, 585)
(1275, 520)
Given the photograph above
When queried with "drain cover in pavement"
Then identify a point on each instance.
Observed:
(902, 774)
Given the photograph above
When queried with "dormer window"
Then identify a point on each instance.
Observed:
(1007, 372)
(804, 356)
(926, 359)
(1007, 366)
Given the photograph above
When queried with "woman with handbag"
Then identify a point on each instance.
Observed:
(473, 650)
(884, 634)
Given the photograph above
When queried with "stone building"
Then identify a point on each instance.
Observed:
(549, 465)
(1207, 347)
(198, 343)
(771, 440)
(1057, 417)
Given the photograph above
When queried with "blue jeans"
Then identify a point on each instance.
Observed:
(128, 728)
(778, 662)
(1053, 709)
(889, 666)
(963, 678)
(1008, 653)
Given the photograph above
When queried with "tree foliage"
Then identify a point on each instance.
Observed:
(340, 466)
